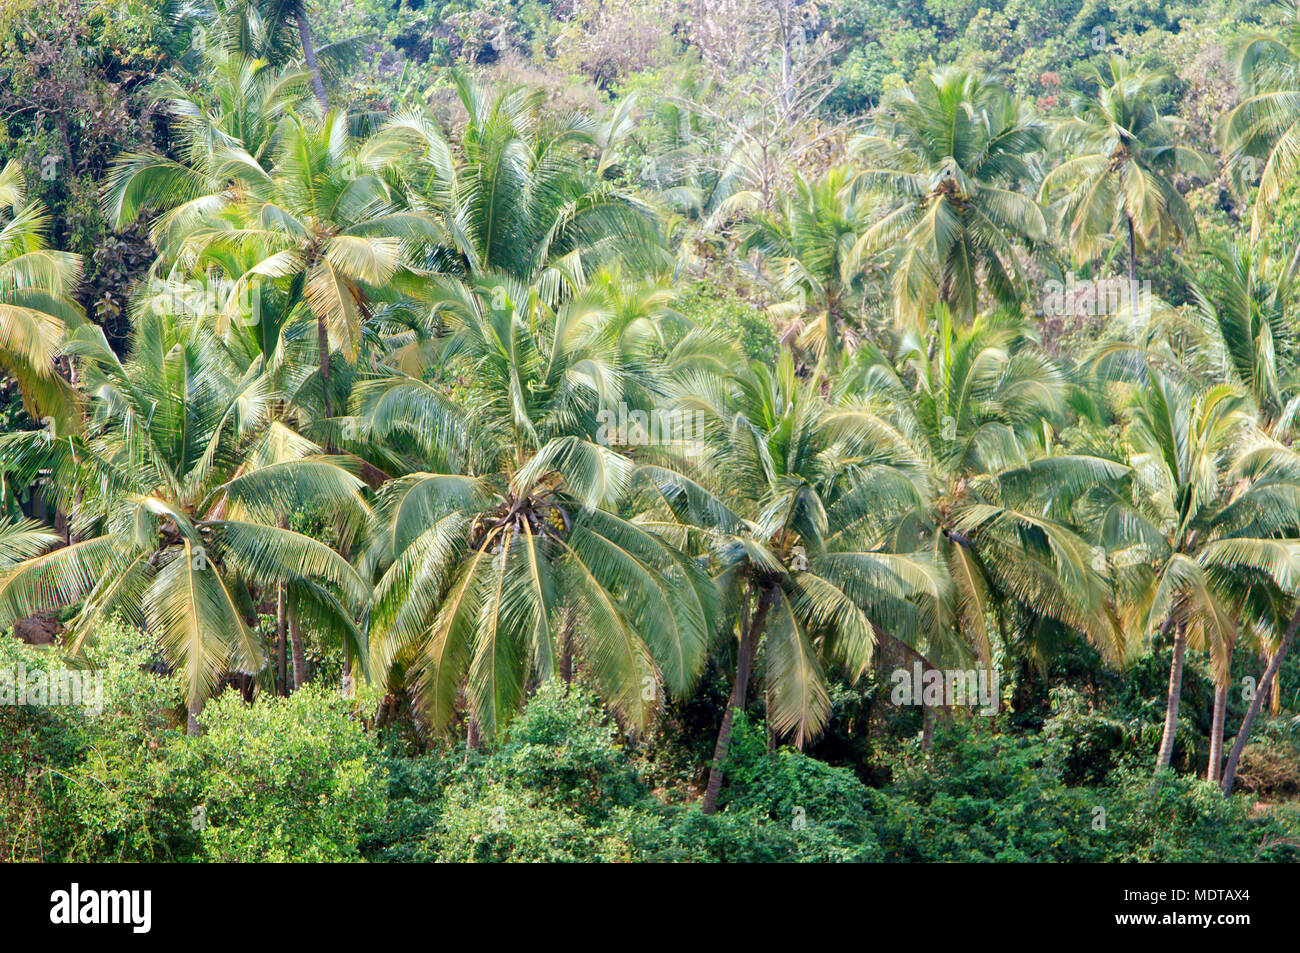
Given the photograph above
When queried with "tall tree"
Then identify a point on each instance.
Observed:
(948, 158)
(267, 30)
(1211, 502)
(792, 498)
(1118, 178)
(1003, 508)
(504, 552)
(522, 193)
(813, 254)
(239, 107)
(181, 484)
(325, 222)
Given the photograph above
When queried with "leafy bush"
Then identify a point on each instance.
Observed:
(286, 779)
(982, 796)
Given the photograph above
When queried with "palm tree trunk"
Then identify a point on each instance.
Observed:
(1216, 732)
(566, 647)
(299, 656)
(771, 734)
(1132, 266)
(1275, 708)
(749, 637)
(349, 683)
(1252, 712)
(323, 344)
(1175, 696)
(309, 54)
(281, 641)
(193, 710)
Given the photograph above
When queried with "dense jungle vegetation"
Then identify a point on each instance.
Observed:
(537, 430)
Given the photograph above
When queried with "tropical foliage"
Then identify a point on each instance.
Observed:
(622, 449)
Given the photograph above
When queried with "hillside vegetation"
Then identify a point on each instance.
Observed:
(683, 430)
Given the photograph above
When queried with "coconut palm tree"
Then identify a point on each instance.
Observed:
(239, 107)
(1211, 502)
(267, 30)
(1242, 309)
(948, 158)
(813, 254)
(1266, 123)
(503, 556)
(325, 223)
(791, 499)
(1004, 512)
(312, 200)
(524, 194)
(1118, 177)
(180, 482)
(259, 330)
(36, 306)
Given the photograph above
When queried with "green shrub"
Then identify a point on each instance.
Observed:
(547, 793)
(286, 779)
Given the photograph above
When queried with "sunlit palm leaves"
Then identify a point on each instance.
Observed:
(974, 408)
(1208, 490)
(519, 195)
(175, 499)
(815, 259)
(238, 109)
(1203, 545)
(791, 500)
(1266, 123)
(948, 158)
(1247, 333)
(1118, 177)
(487, 582)
(36, 304)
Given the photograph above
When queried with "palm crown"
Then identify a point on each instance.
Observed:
(487, 580)
(176, 490)
(948, 158)
(1118, 177)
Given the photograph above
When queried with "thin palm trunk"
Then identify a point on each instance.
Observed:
(566, 647)
(323, 344)
(299, 656)
(193, 710)
(1252, 712)
(282, 629)
(1175, 696)
(739, 689)
(927, 727)
(1216, 732)
(281, 641)
(309, 54)
(1132, 267)
(927, 711)
(349, 683)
